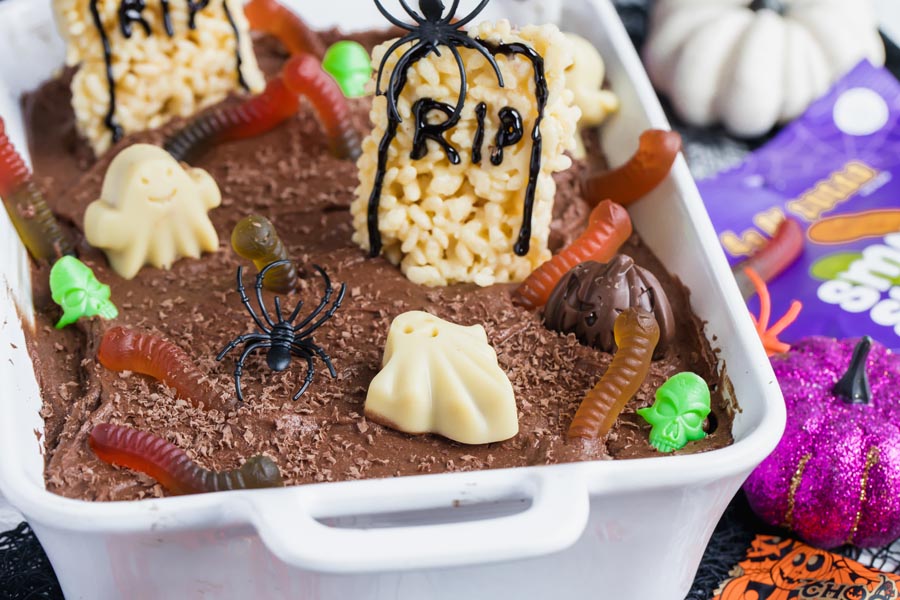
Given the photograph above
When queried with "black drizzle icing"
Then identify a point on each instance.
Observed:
(130, 12)
(194, 8)
(541, 93)
(237, 42)
(509, 134)
(110, 119)
(433, 131)
(478, 142)
(167, 18)
(508, 131)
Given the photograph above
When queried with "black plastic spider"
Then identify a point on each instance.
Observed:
(431, 31)
(282, 338)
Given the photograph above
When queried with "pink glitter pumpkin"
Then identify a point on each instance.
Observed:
(835, 476)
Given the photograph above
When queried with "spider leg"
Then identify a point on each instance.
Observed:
(259, 285)
(310, 372)
(411, 12)
(250, 337)
(404, 40)
(278, 309)
(322, 354)
(246, 301)
(464, 40)
(393, 20)
(450, 14)
(468, 18)
(259, 300)
(327, 315)
(457, 112)
(328, 291)
(239, 369)
(336, 305)
(409, 58)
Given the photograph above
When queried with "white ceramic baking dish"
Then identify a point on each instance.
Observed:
(624, 529)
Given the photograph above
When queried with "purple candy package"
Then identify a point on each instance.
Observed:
(836, 170)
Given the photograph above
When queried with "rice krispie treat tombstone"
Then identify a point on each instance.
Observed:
(142, 62)
(456, 177)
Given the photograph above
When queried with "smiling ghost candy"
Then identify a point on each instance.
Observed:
(152, 211)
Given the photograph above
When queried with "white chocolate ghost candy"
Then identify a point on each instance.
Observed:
(152, 211)
(439, 377)
(584, 77)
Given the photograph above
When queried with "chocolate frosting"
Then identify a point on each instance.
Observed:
(588, 299)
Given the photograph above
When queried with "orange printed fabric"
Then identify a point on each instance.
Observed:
(782, 569)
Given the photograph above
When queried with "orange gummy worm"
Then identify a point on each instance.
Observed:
(657, 150)
(769, 335)
(637, 333)
(272, 17)
(172, 467)
(124, 349)
(608, 228)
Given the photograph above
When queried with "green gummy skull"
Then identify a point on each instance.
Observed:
(76, 289)
(350, 65)
(682, 404)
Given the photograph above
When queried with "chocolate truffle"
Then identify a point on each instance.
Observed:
(588, 299)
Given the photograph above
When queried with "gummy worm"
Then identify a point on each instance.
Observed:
(34, 221)
(608, 228)
(272, 17)
(637, 333)
(770, 261)
(301, 76)
(657, 150)
(124, 349)
(255, 238)
(172, 467)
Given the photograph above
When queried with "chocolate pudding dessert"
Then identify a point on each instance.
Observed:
(289, 175)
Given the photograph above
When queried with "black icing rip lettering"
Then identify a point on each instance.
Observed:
(510, 133)
(478, 142)
(239, 62)
(130, 12)
(432, 131)
(193, 9)
(110, 119)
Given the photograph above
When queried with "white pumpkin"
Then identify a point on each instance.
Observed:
(752, 64)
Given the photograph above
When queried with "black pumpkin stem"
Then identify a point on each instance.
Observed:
(853, 387)
(773, 5)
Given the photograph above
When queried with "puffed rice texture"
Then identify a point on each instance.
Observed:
(157, 77)
(445, 223)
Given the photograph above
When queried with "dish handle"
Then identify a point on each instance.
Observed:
(289, 521)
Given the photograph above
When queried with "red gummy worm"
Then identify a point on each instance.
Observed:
(779, 253)
(172, 467)
(304, 75)
(301, 76)
(609, 227)
(254, 116)
(644, 171)
(34, 221)
(272, 17)
(124, 349)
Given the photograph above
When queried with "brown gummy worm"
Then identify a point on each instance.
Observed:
(172, 467)
(637, 333)
(124, 349)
